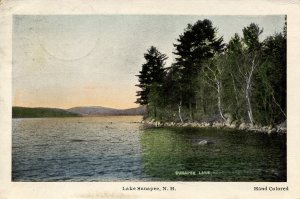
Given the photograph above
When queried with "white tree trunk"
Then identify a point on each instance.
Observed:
(219, 99)
(217, 73)
(248, 90)
(249, 107)
(179, 111)
(235, 90)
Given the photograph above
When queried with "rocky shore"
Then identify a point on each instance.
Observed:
(281, 128)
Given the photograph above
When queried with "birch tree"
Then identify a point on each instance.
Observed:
(213, 72)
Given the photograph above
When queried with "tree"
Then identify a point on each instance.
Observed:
(258, 76)
(214, 71)
(197, 44)
(271, 79)
(233, 87)
(246, 81)
(172, 92)
(251, 61)
(151, 76)
(251, 35)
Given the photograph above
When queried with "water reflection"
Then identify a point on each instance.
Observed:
(178, 155)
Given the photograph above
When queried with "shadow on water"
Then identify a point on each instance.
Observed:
(193, 154)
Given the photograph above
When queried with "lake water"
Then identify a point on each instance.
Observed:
(119, 149)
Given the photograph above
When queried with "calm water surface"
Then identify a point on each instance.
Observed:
(77, 149)
(118, 149)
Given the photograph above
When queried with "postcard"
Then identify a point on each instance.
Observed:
(152, 99)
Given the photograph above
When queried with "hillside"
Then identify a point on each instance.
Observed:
(99, 110)
(24, 112)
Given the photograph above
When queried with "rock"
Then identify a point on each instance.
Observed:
(242, 126)
(282, 128)
(270, 127)
(252, 127)
(234, 124)
(264, 128)
(229, 117)
(194, 124)
(227, 123)
(257, 127)
(273, 130)
(204, 142)
(217, 125)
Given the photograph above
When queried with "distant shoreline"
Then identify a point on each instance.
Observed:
(27, 112)
(76, 116)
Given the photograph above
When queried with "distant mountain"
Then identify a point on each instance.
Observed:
(99, 110)
(134, 111)
(25, 112)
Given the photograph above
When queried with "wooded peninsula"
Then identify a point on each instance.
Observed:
(242, 82)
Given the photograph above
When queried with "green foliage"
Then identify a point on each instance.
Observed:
(251, 37)
(22, 112)
(197, 44)
(152, 72)
(151, 78)
(245, 81)
(271, 78)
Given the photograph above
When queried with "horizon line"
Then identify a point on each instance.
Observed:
(74, 107)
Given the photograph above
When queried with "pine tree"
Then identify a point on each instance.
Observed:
(151, 76)
(197, 44)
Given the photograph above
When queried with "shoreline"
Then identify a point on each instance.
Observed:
(81, 116)
(280, 129)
